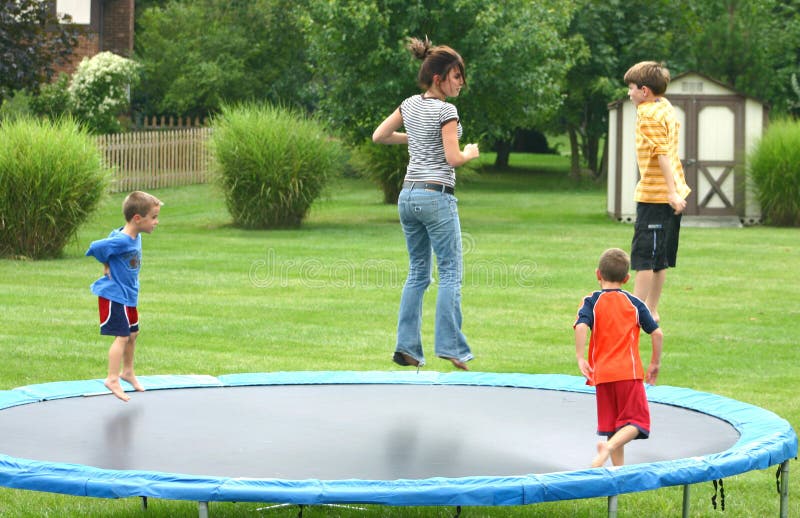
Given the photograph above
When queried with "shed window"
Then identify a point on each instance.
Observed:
(692, 87)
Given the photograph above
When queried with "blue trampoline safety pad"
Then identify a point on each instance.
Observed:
(760, 439)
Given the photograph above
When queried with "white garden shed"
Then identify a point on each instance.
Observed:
(718, 127)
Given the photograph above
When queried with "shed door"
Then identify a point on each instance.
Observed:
(712, 138)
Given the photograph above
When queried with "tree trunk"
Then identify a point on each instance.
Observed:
(592, 150)
(575, 154)
(503, 148)
(602, 174)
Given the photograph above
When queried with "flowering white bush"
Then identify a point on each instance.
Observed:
(99, 90)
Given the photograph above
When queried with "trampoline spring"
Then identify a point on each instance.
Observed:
(714, 496)
(721, 495)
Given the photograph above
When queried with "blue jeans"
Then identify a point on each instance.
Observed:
(430, 224)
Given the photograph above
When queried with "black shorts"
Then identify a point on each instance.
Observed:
(655, 237)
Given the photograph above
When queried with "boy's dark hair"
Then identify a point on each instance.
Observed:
(651, 74)
(140, 203)
(614, 265)
(436, 60)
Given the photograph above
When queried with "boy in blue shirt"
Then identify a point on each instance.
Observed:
(118, 289)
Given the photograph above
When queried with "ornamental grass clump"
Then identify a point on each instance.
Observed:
(774, 168)
(384, 165)
(52, 178)
(272, 163)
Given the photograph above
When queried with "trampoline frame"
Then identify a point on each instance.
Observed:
(765, 440)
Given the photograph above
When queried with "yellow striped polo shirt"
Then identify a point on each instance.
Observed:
(657, 134)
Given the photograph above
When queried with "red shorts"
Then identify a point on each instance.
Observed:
(117, 319)
(622, 403)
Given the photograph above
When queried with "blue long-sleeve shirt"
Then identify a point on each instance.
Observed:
(123, 254)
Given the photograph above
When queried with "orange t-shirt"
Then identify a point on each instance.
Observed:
(615, 317)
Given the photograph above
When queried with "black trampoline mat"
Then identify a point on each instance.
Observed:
(336, 432)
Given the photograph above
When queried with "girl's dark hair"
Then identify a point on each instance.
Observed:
(436, 60)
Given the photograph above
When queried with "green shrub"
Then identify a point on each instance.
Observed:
(272, 163)
(774, 168)
(99, 90)
(53, 100)
(51, 178)
(17, 106)
(385, 165)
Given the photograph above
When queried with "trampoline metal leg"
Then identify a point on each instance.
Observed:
(785, 489)
(202, 509)
(612, 506)
(686, 501)
(144, 503)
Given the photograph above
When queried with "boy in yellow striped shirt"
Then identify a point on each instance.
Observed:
(661, 192)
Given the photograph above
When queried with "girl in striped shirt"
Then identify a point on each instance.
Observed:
(427, 204)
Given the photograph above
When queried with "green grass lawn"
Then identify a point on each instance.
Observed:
(216, 300)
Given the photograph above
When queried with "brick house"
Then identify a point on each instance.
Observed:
(107, 25)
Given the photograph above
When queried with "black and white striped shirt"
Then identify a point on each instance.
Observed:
(423, 118)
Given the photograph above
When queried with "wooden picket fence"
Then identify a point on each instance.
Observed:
(166, 123)
(144, 160)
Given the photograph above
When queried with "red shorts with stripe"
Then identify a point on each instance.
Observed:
(622, 403)
(117, 319)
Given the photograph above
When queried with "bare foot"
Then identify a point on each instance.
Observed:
(458, 364)
(131, 378)
(602, 454)
(116, 389)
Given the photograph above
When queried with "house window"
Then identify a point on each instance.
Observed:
(79, 10)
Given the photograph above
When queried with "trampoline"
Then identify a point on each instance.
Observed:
(389, 438)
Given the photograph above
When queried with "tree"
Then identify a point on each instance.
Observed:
(520, 59)
(32, 42)
(516, 53)
(618, 34)
(750, 44)
(753, 45)
(197, 55)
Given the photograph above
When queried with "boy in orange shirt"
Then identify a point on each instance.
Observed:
(614, 366)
